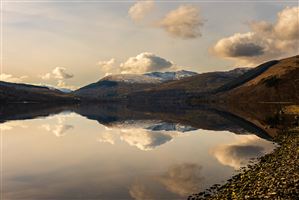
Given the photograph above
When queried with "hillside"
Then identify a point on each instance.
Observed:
(201, 84)
(117, 87)
(106, 90)
(204, 82)
(277, 82)
(16, 93)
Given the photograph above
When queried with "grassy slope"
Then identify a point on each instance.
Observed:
(200, 83)
(278, 83)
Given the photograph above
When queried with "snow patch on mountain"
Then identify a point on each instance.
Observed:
(152, 77)
(154, 125)
(169, 76)
(132, 78)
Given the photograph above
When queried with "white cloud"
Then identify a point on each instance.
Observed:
(287, 25)
(57, 73)
(241, 45)
(108, 66)
(141, 8)
(47, 76)
(60, 73)
(184, 22)
(144, 62)
(140, 64)
(265, 41)
(11, 78)
(62, 84)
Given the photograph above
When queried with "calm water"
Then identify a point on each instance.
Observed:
(96, 153)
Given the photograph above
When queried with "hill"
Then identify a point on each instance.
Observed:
(274, 81)
(19, 93)
(117, 87)
(197, 85)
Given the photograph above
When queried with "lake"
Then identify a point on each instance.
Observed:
(112, 152)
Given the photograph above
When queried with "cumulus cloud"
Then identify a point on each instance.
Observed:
(144, 62)
(240, 45)
(287, 25)
(140, 9)
(108, 66)
(140, 64)
(239, 153)
(62, 84)
(265, 41)
(11, 78)
(183, 179)
(184, 22)
(58, 73)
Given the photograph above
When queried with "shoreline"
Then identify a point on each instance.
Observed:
(275, 176)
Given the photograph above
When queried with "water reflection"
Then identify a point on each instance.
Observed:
(239, 153)
(183, 179)
(112, 152)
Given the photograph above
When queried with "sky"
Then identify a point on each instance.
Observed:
(73, 43)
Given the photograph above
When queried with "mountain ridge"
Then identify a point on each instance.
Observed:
(272, 81)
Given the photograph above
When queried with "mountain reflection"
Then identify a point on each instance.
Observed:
(120, 152)
(122, 116)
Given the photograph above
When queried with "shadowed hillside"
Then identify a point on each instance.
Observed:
(277, 83)
(14, 92)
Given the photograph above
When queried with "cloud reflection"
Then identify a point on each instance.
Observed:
(144, 139)
(143, 134)
(139, 192)
(12, 124)
(238, 154)
(60, 128)
(183, 179)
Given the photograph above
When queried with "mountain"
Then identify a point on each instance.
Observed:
(273, 81)
(171, 76)
(16, 92)
(204, 82)
(64, 90)
(115, 87)
(189, 86)
(165, 126)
